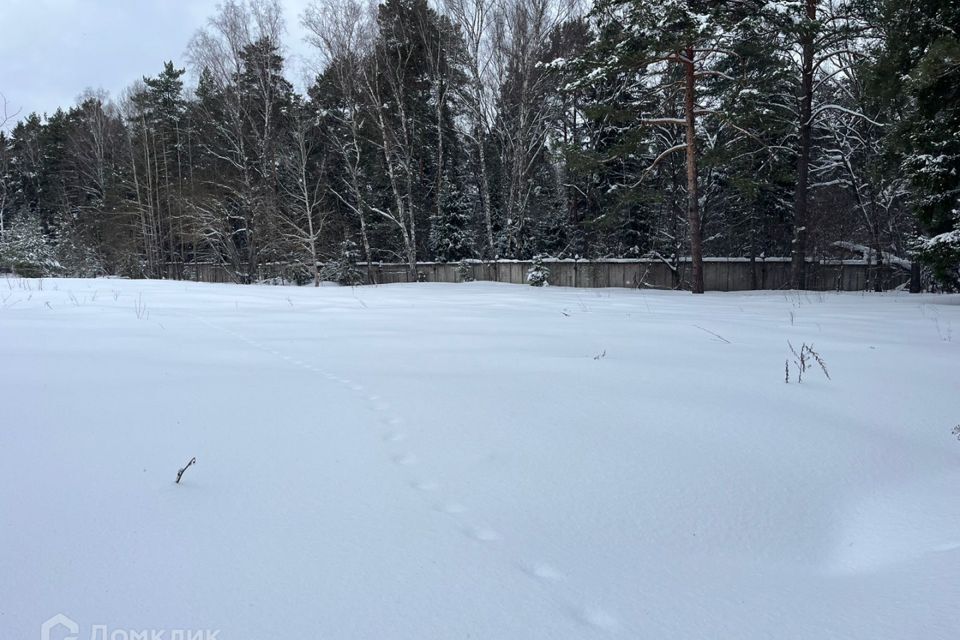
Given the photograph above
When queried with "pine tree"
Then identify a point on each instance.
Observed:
(751, 159)
(156, 118)
(669, 52)
(538, 275)
(516, 128)
(918, 73)
(451, 231)
(343, 270)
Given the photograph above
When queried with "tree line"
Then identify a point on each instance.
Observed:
(492, 129)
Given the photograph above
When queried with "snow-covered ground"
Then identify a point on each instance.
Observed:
(476, 461)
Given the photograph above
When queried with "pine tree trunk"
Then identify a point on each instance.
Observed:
(166, 189)
(798, 268)
(916, 286)
(693, 200)
(182, 260)
(878, 247)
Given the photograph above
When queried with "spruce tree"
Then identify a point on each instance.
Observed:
(918, 74)
(26, 251)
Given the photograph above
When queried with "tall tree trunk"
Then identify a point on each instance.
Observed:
(154, 259)
(411, 207)
(693, 200)
(351, 156)
(916, 286)
(140, 207)
(365, 238)
(479, 134)
(441, 96)
(798, 268)
(169, 206)
(402, 218)
(182, 260)
(878, 247)
(309, 205)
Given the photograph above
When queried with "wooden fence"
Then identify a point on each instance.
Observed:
(720, 274)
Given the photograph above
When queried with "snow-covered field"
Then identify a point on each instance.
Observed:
(476, 461)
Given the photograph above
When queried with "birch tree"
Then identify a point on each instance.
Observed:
(342, 32)
(474, 19)
(239, 54)
(302, 181)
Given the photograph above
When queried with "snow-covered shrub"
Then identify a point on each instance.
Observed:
(465, 272)
(538, 275)
(78, 260)
(942, 254)
(299, 274)
(343, 270)
(26, 251)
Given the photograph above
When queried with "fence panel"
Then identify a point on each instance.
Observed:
(720, 274)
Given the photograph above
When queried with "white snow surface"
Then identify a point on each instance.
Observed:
(436, 461)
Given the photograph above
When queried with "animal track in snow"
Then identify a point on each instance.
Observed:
(596, 617)
(406, 460)
(483, 534)
(452, 508)
(543, 571)
(589, 615)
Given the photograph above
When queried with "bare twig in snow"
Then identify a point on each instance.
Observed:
(716, 335)
(819, 360)
(140, 308)
(802, 361)
(192, 462)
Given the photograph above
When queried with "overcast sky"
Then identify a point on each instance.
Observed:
(51, 50)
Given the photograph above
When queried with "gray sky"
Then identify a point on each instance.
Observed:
(51, 50)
